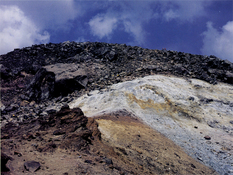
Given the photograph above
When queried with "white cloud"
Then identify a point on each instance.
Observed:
(16, 30)
(102, 25)
(170, 14)
(183, 10)
(50, 14)
(125, 16)
(135, 29)
(219, 43)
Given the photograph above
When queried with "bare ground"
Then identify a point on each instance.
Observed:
(69, 143)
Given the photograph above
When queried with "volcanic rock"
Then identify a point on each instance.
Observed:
(82, 149)
(164, 102)
(128, 94)
(42, 85)
(68, 77)
(32, 166)
(4, 160)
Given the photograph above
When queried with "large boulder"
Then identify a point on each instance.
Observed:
(4, 160)
(4, 72)
(68, 77)
(41, 86)
(56, 80)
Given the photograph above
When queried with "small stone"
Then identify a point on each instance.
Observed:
(193, 166)
(195, 127)
(88, 161)
(51, 111)
(32, 166)
(191, 98)
(207, 137)
(58, 132)
(17, 153)
(32, 103)
(108, 161)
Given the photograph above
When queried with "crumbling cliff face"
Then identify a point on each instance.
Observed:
(103, 108)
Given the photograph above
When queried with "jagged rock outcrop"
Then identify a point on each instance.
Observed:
(108, 64)
(41, 86)
(102, 78)
(4, 159)
(56, 80)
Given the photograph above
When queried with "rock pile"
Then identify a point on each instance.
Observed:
(132, 60)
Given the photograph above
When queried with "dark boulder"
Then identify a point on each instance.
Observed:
(229, 77)
(32, 166)
(4, 160)
(4, 71)
(41, 86)
(68, 77)
(56, 80)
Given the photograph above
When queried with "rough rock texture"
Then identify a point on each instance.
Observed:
(55, 80)
(37, 81)
(108, 64)
(67, 142)
(4, 160)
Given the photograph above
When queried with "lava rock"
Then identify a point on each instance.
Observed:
(68, 77)
(32, 166)
(108, 161)
(207, 137)
(4, 160)
(4, 71)
(42, 86)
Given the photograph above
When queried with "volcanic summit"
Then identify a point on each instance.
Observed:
(101, 108)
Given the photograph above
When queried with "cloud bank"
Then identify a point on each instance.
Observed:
(219, 43)
(16, 30)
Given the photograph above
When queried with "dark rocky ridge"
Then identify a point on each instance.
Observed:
(107, 64)
(33, 75)
(119, 56)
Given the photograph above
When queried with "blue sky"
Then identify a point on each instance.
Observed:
(198, 27)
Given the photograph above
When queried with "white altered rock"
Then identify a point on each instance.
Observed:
(184, 110)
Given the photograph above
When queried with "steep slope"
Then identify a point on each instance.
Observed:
(139, 98)
(67, 142)
(194, 114)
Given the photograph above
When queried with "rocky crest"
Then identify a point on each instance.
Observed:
(39, 83)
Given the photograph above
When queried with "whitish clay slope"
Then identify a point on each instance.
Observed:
(194, 114)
